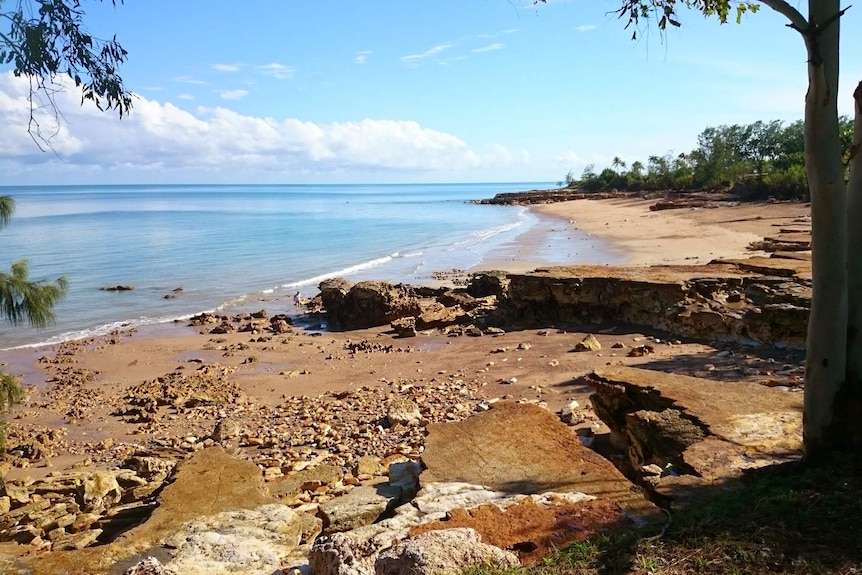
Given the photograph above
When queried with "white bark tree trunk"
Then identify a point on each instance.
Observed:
(849, 404)
(827, 325)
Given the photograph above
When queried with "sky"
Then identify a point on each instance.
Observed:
(389, 91)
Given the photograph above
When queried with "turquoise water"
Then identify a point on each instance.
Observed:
(229, 246)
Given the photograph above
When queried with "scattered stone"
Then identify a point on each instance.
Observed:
(403, 412)
(641, 350)
(226, 429)
(149, 566)
(589, 343)
(567, 414)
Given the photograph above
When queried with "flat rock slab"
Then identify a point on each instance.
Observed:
(359, 507)
(533, 531)
(522, 448)
(783, 267)
(708, 428)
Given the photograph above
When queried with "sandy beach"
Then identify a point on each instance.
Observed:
(80, 386)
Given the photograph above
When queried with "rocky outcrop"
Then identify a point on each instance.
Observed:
(489, 283)
(554, 195)
(710, 432)
(366, 304)
(77, 509)
(762, 300)
(361, 506)
(211, 482)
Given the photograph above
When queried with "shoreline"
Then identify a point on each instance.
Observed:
(624, 229)
(514, 256)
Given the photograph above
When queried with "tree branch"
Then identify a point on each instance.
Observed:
(797, 20)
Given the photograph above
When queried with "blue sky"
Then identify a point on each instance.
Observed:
(395, 91)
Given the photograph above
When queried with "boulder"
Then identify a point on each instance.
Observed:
(149, 466)
(366, 304)
(589, 343)
(99, 491)
(342, 554)
(401, 411)
(404, 326)
(225, 429)
(325, 474)
(489, 283)
(437, 315)
(447, 552)
(404, 475)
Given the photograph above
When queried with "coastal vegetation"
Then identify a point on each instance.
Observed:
(758, 160)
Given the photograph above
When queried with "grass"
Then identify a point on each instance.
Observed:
(794, 520)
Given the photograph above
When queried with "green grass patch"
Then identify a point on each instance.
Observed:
(791, 519)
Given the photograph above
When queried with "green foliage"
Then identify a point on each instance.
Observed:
(32, 301)
(761, 159)
(45, 40)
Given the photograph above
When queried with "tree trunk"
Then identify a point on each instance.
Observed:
(848, 415)
(827, 325)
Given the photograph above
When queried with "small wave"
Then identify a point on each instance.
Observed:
(342, 272)
(412, 254)
(230, 303)
(100, 330)
(477, 238)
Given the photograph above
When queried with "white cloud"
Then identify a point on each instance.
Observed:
(570, 158)
(586, 27)
(233, 94)
(362, 57)
(497, 34)
(489, 48)
(189, 80)
(226, 67)
(414, 60)
(278, 71)
(186, 97)
(162, 140)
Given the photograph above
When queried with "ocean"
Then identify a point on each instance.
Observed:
(244, 247)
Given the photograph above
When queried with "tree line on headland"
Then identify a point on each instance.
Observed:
(761, 159)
